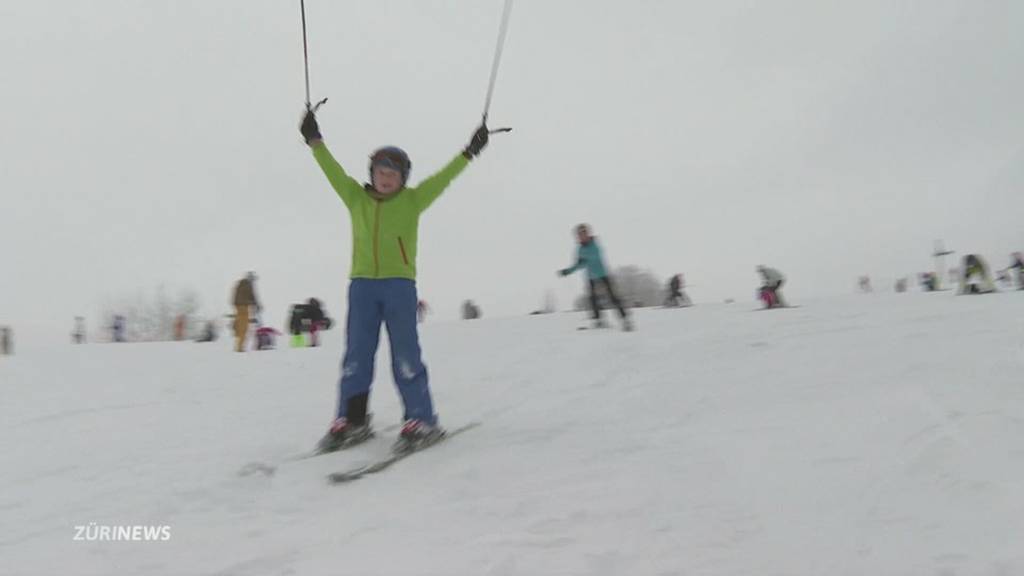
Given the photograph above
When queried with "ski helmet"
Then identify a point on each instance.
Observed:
(391, 157)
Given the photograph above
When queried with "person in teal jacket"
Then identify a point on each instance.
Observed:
(385, 218)
(588, 257)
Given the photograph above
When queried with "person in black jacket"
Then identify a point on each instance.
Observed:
(676, 296)
(308, 317)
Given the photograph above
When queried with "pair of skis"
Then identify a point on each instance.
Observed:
(374, 467)
(395, 456)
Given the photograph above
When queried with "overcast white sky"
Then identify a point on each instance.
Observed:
(152, 142)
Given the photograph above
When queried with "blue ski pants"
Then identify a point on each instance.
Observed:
(392, 301)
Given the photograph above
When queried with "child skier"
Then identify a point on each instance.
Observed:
(588, 256)
(266, 336)
(771, 287)
(385, 219)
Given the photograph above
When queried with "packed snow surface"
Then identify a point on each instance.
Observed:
(869, 435)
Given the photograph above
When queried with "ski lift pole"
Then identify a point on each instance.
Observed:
(305, 59)
(940, 254)
(499, 48)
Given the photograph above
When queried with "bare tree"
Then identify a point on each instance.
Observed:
(635, 287)
(152, 318)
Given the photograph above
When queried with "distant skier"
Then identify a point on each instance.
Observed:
(316, 320)
(209, 332)
(308, 318)
(422, 309)
(470, 311)
(929, 281)
(180, 325)
(975, 278)
(119, 328)
(385, 219)
(588, 257)
(676, 295)
(864, 283)
(244, 301)
(771, 287)
(266, 337)
(296, 325)
(78, 335)
(6, 341)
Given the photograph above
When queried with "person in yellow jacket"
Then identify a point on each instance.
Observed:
(385, 218)
(244, 300)
(975, 277)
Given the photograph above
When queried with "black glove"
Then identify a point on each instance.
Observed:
(309, 128)
(478, 142)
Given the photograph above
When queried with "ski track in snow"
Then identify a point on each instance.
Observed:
(869, 435)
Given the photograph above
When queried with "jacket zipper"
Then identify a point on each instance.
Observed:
(376, 240)
(401, 246)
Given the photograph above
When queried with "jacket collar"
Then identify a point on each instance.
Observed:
(369, 189)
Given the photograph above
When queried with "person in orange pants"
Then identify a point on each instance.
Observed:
(244, 300)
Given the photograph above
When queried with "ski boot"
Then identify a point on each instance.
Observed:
(345, 433)
(416, 434)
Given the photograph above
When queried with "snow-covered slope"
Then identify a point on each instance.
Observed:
(868, 435)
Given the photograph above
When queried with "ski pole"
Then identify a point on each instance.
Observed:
(506, 13)
(305, 58)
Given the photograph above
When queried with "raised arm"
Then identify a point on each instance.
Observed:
(432, 187)
(346, 186)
